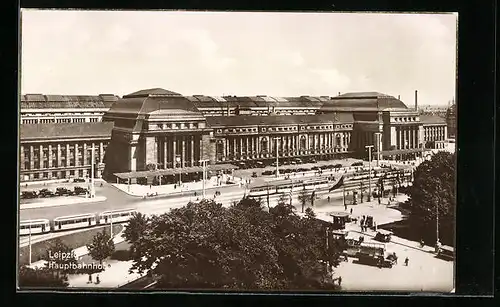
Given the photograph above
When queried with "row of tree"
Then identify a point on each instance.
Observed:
(246, 246)
(432, 198)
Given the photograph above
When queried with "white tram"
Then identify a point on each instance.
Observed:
(74, 221)
(115, 216)
(34, 226)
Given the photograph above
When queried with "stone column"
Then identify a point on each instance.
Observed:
(247, 143)
(85, 154)
(174, 151)
(67, 156)
(50, 157)
(183, 155)
(21, 157)
(77, 162)
(226, 147)
(32, 157)
(192, 150)
(41, 157)
(58, 155)
(165, 152)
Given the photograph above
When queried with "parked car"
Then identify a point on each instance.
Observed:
(357, 164)
(63, 191)
(267, 173)
(79, 180)
(254, 174)
(45, 193)
(80, 191)
(28, 194)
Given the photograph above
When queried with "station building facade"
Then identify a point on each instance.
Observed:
(161, 129)
(63, 150)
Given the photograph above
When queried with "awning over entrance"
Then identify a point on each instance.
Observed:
(173, 171)
(403, 151)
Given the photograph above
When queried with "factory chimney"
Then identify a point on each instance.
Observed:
(416, 100)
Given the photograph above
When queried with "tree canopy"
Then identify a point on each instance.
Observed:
(102, 246)
(433, 193)
(207, 246)
(41, 277)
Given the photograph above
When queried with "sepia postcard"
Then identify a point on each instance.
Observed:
(237, 151)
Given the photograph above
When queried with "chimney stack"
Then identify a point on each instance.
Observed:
(399, 97)
(416, 100)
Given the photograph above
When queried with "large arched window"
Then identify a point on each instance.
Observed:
(263, 144)
(303, 142)
(220, 149)
(338, 140)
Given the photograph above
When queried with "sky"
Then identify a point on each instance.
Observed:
(239, 53)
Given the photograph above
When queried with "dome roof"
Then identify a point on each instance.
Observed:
(152, 92)
(363, 101)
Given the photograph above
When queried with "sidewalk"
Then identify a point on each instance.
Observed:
(41, 183)
(167, 189)
(115, 275)
(79, 252)
(382, 214)
(62, 201)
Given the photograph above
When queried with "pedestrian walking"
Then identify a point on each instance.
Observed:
(90, 279)
(340, 281)
(328, 198)
(351, 210)
(406, 261)
(97, 280)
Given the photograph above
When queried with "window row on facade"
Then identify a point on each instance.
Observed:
(59, 120)
(36, 156)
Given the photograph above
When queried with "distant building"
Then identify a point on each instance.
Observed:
(44, 109)
(451, 121)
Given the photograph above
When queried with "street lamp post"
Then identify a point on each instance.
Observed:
(178, 160)
(204, 165)
(29, 244)
(277, 156)
(92, 187)
(437, 223)
(370, 147)
(378, 139)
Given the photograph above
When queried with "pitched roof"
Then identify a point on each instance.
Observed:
(249, 120)
(39, 101)
(432, 119)
(363, 101)
(65, 130)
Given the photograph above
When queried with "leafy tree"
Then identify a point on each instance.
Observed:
(304, 197)
(102, 246)
(310, 213)
(136, 227)
(205, 245)
(40, 277)
(53, 255)
(433, 193)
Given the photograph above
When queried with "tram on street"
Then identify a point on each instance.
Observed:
(34, 226)
(74, 221)
(116, 216)
(68, 222)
